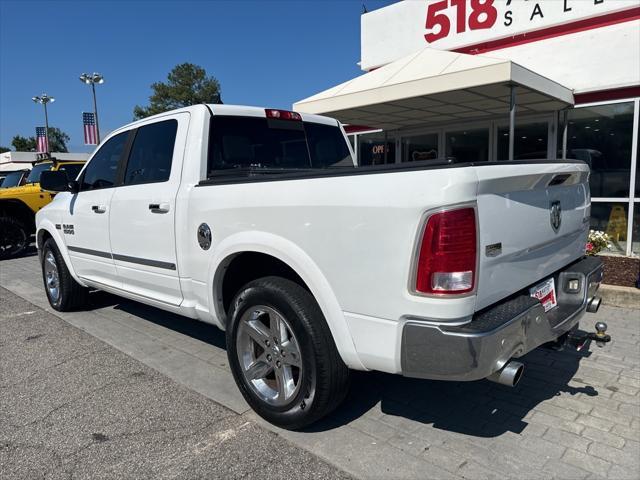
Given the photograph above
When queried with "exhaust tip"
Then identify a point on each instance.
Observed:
(594, 304)
(508, 375)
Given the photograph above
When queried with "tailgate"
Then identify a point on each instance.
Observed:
(533, 220)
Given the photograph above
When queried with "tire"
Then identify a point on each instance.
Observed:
(14, 237)
(63, 292)
(266, 374)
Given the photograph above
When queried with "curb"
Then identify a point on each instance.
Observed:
(616, 296)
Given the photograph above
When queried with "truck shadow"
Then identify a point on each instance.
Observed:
(30, 251)
(480, 408)
(186, 326)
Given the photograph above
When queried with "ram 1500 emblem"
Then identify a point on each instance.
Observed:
(556, 215)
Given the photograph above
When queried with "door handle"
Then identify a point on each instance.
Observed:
(98, 208)
(159, 207)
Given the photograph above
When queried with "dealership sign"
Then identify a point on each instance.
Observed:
(464, 25)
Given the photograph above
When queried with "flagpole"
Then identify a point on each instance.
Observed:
(44, 99)
(95, 111)
(46, 125)
(92, 79)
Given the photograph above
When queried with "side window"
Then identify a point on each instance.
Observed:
(103, 167)
(151, 153)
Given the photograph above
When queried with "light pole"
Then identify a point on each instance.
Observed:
(92, 79)
(44, 99)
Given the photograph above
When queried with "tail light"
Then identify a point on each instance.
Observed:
(447, 257)
(282, 114)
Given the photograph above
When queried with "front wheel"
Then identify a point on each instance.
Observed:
(63, 292)
(282, 354)
(14, 238)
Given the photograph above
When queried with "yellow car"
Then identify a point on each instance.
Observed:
(18, 206)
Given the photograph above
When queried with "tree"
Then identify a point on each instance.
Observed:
(23, 144)
(57, 141)
(187, 84)
(4, 149)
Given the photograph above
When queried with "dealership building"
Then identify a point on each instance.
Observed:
(503, 80)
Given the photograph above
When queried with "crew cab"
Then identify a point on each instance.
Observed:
(258, 221)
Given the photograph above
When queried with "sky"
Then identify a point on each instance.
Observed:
(265, 53)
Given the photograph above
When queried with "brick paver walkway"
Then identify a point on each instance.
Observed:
(574, 415)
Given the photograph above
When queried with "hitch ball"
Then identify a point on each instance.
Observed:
(601, 336)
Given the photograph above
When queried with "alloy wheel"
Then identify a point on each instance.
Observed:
(52, 279)
(269, 355)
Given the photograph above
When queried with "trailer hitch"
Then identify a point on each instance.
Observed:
(600, 336)
(579, 340)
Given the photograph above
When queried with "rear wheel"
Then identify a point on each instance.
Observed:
(63, 292)
(282, 354)
(14, 238)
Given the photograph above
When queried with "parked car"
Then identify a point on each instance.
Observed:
(14, 178)
(19, 204)
(257, 221)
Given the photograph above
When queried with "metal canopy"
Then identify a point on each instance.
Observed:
(433, 87)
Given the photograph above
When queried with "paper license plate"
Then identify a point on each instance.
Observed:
(546, 293)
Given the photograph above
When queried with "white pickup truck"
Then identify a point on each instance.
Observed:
(257, 221)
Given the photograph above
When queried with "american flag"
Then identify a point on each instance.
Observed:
(90, 131)
(41, 140)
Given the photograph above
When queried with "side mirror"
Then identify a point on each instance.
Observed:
(57, 181)
(74, 186)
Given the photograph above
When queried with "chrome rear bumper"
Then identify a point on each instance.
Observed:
(503, 331)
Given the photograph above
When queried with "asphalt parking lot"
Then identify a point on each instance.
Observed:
(574, 415)
(75, 407)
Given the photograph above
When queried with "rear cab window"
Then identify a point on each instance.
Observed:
(268, 145)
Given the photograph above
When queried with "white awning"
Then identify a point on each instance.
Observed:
(434, 86)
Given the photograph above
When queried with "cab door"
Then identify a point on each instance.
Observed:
(86, 223)
(142, 219)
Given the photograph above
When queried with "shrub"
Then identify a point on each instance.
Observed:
(597, 241)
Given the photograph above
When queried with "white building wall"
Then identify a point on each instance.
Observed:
(601, 58)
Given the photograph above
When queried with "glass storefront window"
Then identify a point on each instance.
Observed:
(420, 147)
(468, 145)
(530, 142)
(376, 149)
(611, 218)
(601, 136)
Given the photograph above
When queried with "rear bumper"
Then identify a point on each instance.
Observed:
(506, 330)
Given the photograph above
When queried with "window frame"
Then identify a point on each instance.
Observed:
(123, 161)
(630, 199)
